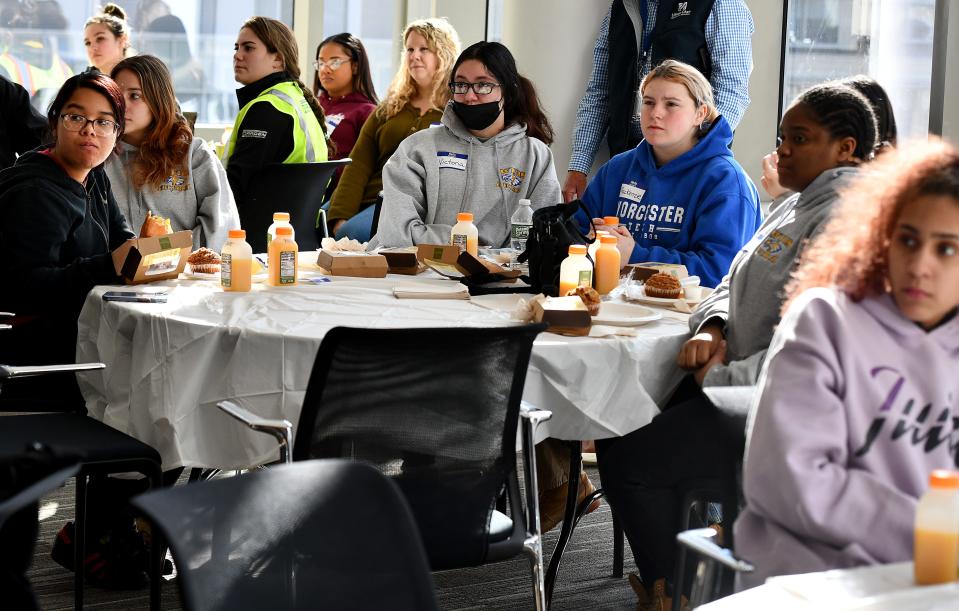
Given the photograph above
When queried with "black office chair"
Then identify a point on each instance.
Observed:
(100, 450)
(437, 410)
(317, 534)
(296, 188)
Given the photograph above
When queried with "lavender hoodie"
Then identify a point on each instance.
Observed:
(858, 405)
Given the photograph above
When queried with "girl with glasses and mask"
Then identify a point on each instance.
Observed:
(491, 151)
(344, 87)
(59, 223)
(160, 167)
(415, 100)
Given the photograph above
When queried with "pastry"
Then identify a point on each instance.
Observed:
(154, 226)
(204, 261)
(590, 297)
(663, 285)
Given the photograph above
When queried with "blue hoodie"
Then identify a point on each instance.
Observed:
(697, 210)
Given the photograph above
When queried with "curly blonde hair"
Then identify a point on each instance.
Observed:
(852, 251)
(442, 40)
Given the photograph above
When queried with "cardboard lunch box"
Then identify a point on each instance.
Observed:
(644, 270)
(403, 260)
(163, 257)
(564, 315)
(450, 261)
(355, 264)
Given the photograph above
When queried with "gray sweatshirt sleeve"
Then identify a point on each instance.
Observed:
(714, 306)
(744, 372)
(216, 208)
(402, 218)
(544, 186)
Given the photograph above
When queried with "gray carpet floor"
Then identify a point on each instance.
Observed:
(585, 577)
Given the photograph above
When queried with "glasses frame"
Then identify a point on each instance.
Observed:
(467, 86)
(65, 119)
(339, 61)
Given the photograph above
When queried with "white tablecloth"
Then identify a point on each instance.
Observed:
(169, 364)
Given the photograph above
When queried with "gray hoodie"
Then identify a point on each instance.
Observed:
(438, 172)
(201, 202)
(748, 299)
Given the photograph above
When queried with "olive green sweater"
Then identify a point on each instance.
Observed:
(362, 180)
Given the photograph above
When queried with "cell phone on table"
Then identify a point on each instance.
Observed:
(135, 297)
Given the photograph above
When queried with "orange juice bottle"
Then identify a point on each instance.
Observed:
(575, 270)
(465, 234)
(591, 250)
(936, 557)
(282, 255)
(280, 219)
(607, 265)
(611, 220)
(236, 268)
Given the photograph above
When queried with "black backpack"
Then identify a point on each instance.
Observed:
(554, 230)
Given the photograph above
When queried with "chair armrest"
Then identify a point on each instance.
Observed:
(255, 422)
(7, 314)
(700, 541)
(533, 414)
(8, 372)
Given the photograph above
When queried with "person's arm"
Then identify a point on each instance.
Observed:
(544, 187)
(265, 136)
(26, 127)
(402, 218)
(724, 222)
(796, 470)
(120, 230)
(215, 207)
(729, 30)
(347, 197)
(592, 115)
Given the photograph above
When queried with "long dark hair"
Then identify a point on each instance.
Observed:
(521, 104)
(362, 81)
(96, 81)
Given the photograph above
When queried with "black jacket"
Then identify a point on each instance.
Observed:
(56, 236)
(21, 127)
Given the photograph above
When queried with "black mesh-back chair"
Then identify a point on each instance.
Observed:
(100, 449)
(437, 410)
(318, 534)
(296, 188)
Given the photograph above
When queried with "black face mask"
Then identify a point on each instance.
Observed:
(477, 117)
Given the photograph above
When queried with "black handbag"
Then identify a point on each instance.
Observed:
(554, 230)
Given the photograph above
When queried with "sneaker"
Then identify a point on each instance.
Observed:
(552, 503)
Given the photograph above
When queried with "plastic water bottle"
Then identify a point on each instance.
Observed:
(519, 226)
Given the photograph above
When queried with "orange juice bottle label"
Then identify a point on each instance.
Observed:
(226, 270)
(287, 267)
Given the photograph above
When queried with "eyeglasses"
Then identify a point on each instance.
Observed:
(101, 127)
(478, 88)
(333, 64)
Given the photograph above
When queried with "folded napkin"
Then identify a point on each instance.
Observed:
(610, 330)
(344, 244)
(431, 291)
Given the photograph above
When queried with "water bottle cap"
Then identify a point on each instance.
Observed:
(464, 217)
(281, 216)
(577, 249)
(607, 239)
(284, 231)
(941, 478)
(238, 233)
(611, 220)
(525, 202)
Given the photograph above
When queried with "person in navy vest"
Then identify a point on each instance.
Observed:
(713, 36)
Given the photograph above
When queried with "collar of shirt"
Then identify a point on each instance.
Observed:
(244, 95)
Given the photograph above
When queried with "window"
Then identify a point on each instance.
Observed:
(888, 40)
(373, 22)
(194, 37)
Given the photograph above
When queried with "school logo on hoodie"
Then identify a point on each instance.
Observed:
(647, 220)
(511, 178)
(174, 182)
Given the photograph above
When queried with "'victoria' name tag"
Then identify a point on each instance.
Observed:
(453, 161)
(631, 192)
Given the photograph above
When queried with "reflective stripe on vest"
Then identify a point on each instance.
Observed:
(310, 153)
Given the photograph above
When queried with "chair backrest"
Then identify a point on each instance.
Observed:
(312, 535)
(436, 409)
(296, 188)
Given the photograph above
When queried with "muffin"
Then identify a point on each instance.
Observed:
(663, 285)
(204, 261)
(589, 296)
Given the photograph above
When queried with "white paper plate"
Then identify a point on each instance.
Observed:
(638, 294)
(625, 314)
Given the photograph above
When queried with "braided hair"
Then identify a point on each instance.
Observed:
(844, 113)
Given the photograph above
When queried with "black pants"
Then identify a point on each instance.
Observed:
(644, 473)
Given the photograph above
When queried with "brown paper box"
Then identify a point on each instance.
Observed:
(403, 260)
(562, 314)
(359, 265)
(463, 262)
(141, 260)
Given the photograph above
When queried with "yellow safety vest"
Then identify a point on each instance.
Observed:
(309, 145)
(33, 78)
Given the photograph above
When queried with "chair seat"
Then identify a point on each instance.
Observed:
(500, 526)
(89, 440)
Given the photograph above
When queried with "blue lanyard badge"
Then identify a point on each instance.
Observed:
(452, 161)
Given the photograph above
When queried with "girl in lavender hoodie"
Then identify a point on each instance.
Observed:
(859, 399)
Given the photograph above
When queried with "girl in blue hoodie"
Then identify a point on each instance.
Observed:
(680, 196)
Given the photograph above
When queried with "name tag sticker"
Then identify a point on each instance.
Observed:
(453, 161)
(631, 192)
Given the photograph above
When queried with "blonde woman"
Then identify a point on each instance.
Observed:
(280, 120)
(106, 37)
(415, 100)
